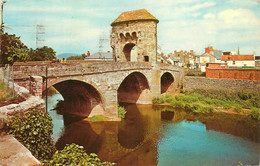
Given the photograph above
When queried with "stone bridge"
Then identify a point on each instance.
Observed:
(92, 88)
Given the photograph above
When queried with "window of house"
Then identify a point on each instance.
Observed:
(234, 62)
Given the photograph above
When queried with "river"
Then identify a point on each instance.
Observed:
(150, 136)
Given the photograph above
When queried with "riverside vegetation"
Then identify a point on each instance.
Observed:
(206, 101)
(34, 131)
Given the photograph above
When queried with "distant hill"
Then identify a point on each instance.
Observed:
(66, 55)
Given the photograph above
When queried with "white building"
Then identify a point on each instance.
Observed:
(239, 60)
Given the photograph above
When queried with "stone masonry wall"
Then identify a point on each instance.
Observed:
(190, 83)
(6, 112)
(143, 34)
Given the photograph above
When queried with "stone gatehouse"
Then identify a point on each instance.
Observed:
(134, 37)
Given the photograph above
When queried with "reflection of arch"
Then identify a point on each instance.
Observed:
(82, 134)
(127, 50)
(131, 130)
(166, 81)
(80, 98)
(131, 87)
(167, 115)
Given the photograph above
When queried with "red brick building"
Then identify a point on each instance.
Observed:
(220, 70)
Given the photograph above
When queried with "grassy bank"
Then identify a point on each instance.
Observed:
(206, 101)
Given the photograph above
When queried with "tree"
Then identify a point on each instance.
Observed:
(12, 49)
(42, 54)
(80, 57)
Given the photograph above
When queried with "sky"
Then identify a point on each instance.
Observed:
(77, 26)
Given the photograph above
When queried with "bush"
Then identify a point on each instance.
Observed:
(188, 107)
(255, 114)
(34, 131)
(75, 155)
(158, 100)
(183, 91)
(238, 109)
(207, 109)
(121, 112)
(255, 100)
(196, 108)
(177, 104)
(168, 98)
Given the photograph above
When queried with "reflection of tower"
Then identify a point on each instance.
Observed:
(40, 31)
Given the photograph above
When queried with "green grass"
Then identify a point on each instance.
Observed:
(98, 118)
(5, 92)
(204, 101)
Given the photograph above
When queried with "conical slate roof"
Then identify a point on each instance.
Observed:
(135, 15)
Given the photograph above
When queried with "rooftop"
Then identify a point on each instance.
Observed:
(135, 15)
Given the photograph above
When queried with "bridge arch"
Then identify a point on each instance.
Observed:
(80, 98)
(133, 89)
(167, 82)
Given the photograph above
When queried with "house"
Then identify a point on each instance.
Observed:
(205, 58)
(239, 60)
(183, 58)
(221, 71)
(100, 56)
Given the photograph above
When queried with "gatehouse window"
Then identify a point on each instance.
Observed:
(146, 58)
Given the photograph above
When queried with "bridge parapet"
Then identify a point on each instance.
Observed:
(23, 71)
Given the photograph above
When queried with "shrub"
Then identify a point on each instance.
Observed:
(177, 104)
(255, 114)
(158, 100)
(196, 108)
(34, 131)
(238, 109)
(121, 112)
(183, 91)
(255, 100)
(168, 98)
(207, 109)
(188, 107)
(74, 154)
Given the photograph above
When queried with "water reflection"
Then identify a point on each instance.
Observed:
(167, 115)
(131, 130)
(152, 135)
(82, 134)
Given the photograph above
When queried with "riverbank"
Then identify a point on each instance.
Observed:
(208, 101)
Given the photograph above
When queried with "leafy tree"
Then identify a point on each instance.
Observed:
(42, 54)
(12, 49)
(75, 58)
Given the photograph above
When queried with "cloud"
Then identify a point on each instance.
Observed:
(209, 16)
(238, 18)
